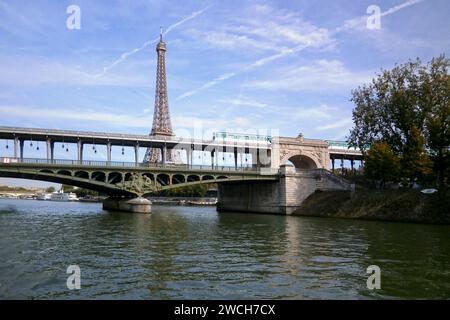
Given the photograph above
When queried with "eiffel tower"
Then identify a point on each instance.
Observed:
(161, 117)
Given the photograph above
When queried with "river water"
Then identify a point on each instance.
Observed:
(197, 253)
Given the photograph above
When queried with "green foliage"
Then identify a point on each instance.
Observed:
(68, 188)
(382, 164)
(416, 165)
(438, 120)
(198, 190)
(408, 108)
(10, 189)
(81, 192)
(50, 189)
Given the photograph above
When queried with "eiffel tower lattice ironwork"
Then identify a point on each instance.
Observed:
(161, 117)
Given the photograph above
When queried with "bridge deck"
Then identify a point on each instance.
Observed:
(347, 154)
(146, 141)
(336, 150)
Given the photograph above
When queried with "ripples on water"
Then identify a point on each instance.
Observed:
(197, 253)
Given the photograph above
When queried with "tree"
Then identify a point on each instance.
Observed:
(437, 86)
(68, 188)
(80, 192)
(381, 164)
(198, 190)
(50, 189)
(408, 108)
(415, 163)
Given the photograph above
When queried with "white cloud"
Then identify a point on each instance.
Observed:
(243, 102)
(323, 111)
(124, 56)
(22, 21)
(219, 123)
(321, 75)
(230, 41)
(261, 27)
(283, 26)
(342, 123)
(124, 120)
(288, 33)
(35, 71)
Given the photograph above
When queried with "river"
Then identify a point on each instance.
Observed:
(196, 253)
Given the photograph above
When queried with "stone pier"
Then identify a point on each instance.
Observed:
(134, 205)
(277, 197)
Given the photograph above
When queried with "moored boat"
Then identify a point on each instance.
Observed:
(63, 196)
(43, 196)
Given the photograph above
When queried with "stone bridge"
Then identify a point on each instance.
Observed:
(282, 196)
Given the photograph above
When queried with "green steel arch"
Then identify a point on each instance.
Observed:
(125, 181)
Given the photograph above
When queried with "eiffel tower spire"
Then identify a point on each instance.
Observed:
(162, 125)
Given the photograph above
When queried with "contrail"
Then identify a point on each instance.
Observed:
(192, 16)
(261, 62)
(401, 6)
(207, 85)
(353, 23)
(125, 55)
(253, 65)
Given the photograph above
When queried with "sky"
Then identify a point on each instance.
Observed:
(242, 66)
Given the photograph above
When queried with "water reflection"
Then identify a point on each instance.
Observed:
(414, 259)
(196, 253)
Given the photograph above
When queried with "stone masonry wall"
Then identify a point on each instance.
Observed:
(249, 197)
(276, 197)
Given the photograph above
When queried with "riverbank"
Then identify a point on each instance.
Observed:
(386, 205)
(169, 201)
(183, 201)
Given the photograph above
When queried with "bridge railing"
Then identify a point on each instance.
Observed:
(122, 164)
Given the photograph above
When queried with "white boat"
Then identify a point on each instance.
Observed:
(429, 191)
(43, 196)
(73, 196)
(63, 196)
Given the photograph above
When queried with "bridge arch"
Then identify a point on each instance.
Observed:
(163, 179)
(178, 178)
(47, 171)
(208, 178)
(149, 175)
(98, 176)
(81, 174)
(304, 161)
(115, 177)
(193, 178)
(64, 172)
